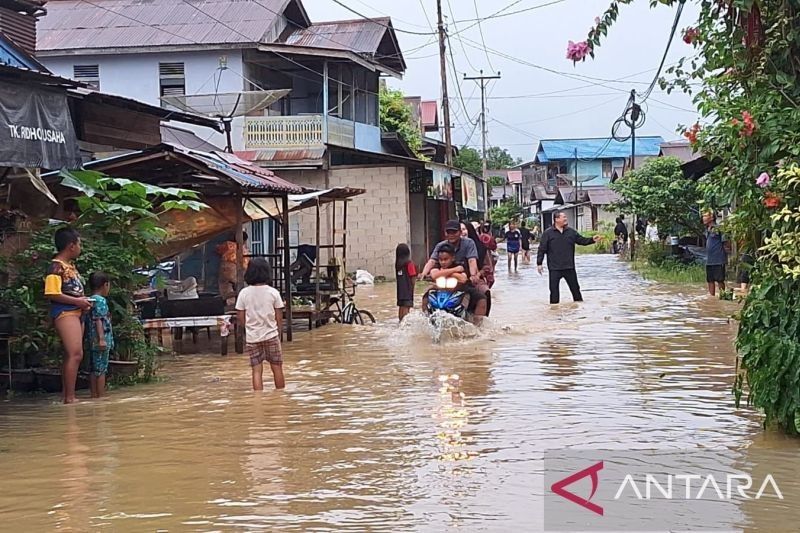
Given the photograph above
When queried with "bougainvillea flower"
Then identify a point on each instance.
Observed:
(690, 35)
(763, 180)
(772, 200)
(749, 125)
(577, 51)
(597, 20)
(691, 134)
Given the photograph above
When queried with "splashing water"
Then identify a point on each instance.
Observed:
(439, 326)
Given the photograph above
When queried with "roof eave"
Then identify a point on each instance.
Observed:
(315, 51)
(139, 49)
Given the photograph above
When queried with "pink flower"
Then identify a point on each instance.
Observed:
(577, 51)
(597, 20)
(763, 180)
(690, 35)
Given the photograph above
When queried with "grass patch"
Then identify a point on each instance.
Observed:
(671, 272)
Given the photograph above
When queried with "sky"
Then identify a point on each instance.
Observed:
(530, 103)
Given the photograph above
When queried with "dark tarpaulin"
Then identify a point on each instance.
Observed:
(36, 130)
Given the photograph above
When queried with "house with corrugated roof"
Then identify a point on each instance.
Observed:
(592, 161)
(306, 96)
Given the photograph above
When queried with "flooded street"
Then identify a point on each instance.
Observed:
(380, 429)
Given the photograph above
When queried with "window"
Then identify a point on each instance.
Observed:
(171, 79)
(88, 74)
(607, 169)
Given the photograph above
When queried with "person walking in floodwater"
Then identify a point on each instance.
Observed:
(558, 244)
(260, 308)
(63, 286)
(526, 243)
(406, 273)
(513, 245)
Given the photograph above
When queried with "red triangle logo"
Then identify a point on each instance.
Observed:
(559, 487)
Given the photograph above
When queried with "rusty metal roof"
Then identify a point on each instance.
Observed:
(154, 164)
(374, 38)
(285, 156)
(602, 196)
(112, 24)
(361, 36)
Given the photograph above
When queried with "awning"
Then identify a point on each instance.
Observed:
(36, 129)
(259, 208)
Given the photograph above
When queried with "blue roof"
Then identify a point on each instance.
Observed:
(14, 56)
(597, 148)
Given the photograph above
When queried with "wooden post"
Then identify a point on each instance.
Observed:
(448, 156)
(239, 244)
(344, 241)
(286, 273)
(332, 253)
(325, 103)
(317, 299)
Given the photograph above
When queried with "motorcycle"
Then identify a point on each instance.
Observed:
(445, 298)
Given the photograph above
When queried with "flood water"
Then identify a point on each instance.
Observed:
(381, 429)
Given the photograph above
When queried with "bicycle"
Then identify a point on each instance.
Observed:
(349, 314)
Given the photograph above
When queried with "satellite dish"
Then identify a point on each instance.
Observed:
(225, 106)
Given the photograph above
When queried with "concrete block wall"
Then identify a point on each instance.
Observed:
(377, 220)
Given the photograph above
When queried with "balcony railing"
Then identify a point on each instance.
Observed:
(283, 132)
(307, 130)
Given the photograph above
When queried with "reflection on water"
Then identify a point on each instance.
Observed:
(380, 428)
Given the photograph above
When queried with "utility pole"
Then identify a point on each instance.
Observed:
(448, 143)
(635, 113)
(483, 80)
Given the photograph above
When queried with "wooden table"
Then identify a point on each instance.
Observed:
(225, 323)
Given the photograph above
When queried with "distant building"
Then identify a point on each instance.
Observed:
(598, 160)
(578, 172)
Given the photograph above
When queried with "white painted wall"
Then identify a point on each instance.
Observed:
(136, 76)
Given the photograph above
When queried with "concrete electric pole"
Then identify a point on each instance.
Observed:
(483, 80)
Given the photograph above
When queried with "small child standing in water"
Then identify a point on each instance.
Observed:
(98, 332)
(259, 308)
(406, 277)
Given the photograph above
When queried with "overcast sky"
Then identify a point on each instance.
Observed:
(570, 106)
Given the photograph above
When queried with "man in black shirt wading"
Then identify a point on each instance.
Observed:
(558, 243)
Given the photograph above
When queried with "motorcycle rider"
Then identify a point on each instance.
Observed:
(448, 269)
(465, 253)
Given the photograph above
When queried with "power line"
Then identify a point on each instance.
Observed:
(503, 12)
(483, 39)
(571, 113)
(666, 52)
(463, 48)
(350, 9)
(455, 75)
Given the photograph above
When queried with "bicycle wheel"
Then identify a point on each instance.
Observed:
(363, 316)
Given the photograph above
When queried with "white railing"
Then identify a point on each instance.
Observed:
(303, 131)
(283, 132)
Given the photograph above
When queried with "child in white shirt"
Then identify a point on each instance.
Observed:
(260, 308)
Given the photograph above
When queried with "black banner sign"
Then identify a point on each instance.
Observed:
(36, 129)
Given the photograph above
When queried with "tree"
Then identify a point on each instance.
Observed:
(469, 160)
(745, 58)
(496, 181)
(497, 157)
(658, 189)
(396, 116)
(504, 213)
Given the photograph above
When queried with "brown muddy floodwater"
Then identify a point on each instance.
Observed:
(380, 429)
